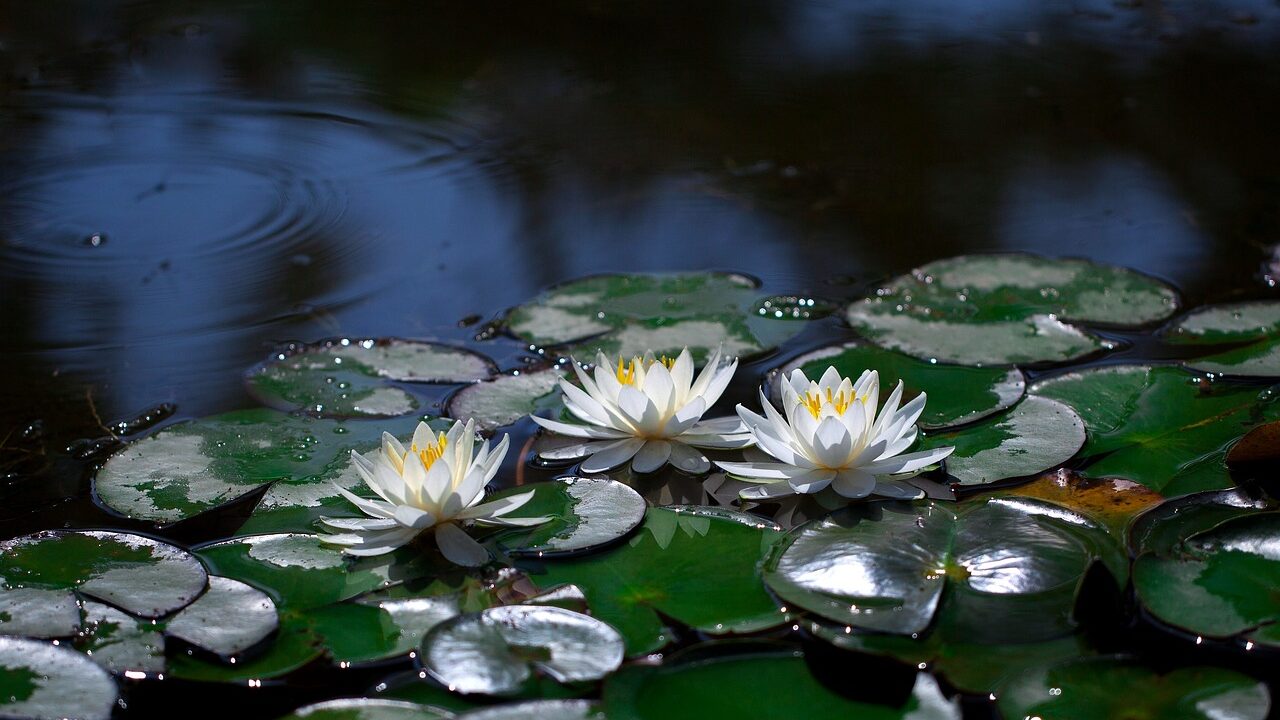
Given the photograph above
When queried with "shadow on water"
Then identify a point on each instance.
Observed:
(186, 185)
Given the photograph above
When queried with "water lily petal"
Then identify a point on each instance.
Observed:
(587, 408)
(682, 375)
(470, 489)
(766, 492)
(639, 411)
(830, 381)
(583, 431)
(416, 518)
(612, 455)
(685, 418)
(513, 522)
(719, 442)
(458, 547)
(423, 437)
(812, 481)
(760, 470)
(660, 389)
(437, 484)
(832, 443)
(854, 483)
(703, 381)
(360, 524)
(576, 451)
(496, 508)
(369, 507)
(652, 456)
(898, 490)
(910, 462)
(689, 460)
(718, 426)
(378, 543)
(493, 460)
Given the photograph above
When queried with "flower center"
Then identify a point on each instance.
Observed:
(814, 401)
(627, 370)
(431, 453)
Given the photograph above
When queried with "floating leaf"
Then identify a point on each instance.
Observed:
(1159, 426)
(1162, 529)
(1113, 502)
(142, 576)
(1219, 583)
(378, 629)
(120, 643)
(699, 569)
(957, 394)
(45, 682)
(1107, 687)
(1227, 323)
(976, 668)
(496, 651)
(368, 709)
(294, 646)
(1261, 359)
(1035, 435)
(300, 571)
(354, 379)
(763, 686)
(585, 512)
(507, 398)
(38, 612)
(537, 710)
(198, 465)
(902, 567)
(228, 619)
(631, 314)
(1003, 309)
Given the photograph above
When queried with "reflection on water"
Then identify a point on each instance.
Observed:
(182, 187)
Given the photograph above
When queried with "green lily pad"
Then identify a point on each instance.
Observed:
(294, 646)
(631, 314)
(45, 682)
(1004, 309)
(142, 576)
(585, 512)
(764, 686)
(375, 629)
(957, 394)
(368, 709)
(38, 612)
(1108, 687)
(198, 465)
(120, 643)
(355, 378)
(300, 571)
(976, 668)
(1159, 426)
(699, 569)
(1261, 359)
(507, 398)
(538, 710)
(1162, 529)
(1220, 583)
(904, 567)
(228, 619)
(497, 651)
(1227, 323)
(1035, 435)
(1113, 502)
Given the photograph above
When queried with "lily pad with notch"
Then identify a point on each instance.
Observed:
(1116, 687)
(905, 568)
(358, 378)
(1160, 426)
(693, 565)
(633, 314)
(1003, 309)
(957, 394)
(499, 650)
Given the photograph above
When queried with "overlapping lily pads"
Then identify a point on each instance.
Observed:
(346, 378)
(121, 643)
(1005, 309)
(498, 651)
(198, 465)
(631, 314)
(585, 512)
(1161, 426)
(44, 682)
(763, 686)
(507, 398)
(1254, 324)
(698, 568)
(904, 567)
(372, 629)
(956, 394)
(1108, 687)
(1037, 434)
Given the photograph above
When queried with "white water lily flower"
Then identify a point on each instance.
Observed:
(832, 436)
(648, 411)
(437, 484)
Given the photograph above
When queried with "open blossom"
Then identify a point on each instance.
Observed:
(833, 436)
(436, 484)
(647, 411)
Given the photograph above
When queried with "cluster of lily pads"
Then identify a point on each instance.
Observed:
(1051, 477)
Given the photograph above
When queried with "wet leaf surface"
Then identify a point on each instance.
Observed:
(374, 629)
(121, 643)
(294, 646)
(1004, 309)
(1119, 688)
(498, 651)
(368, 709)
(1113, 502)
(1160, 426)
(631, 314)
(585, 512)
(228, 619)
(956, 394)
(538, 710)
(45, 682)
(357, 378)
(903, 568)
(700, 569)
(507, 398)
(1035, 435)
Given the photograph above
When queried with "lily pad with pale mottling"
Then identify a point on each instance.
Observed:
(45, 682)
(507, 398)
(121, 643)
(228, 619)
(368, 709)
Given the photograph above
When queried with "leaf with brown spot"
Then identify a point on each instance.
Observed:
(1113, 502)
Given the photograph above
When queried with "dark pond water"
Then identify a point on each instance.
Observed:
(184, 186)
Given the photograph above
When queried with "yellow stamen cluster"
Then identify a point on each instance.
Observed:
(432, 452)
(627, 370)
(814, 401)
